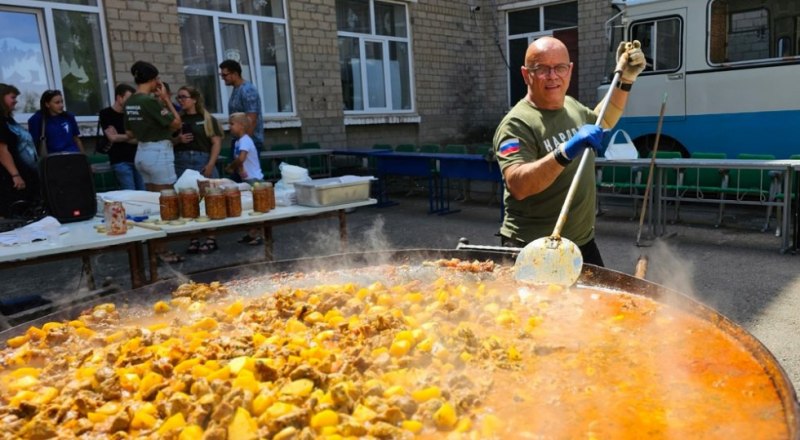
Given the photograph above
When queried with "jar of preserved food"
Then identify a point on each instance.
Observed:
(263, 197)
(170, 205)
(215, 204)
(233, 200)
(190, 203)
(115, 219)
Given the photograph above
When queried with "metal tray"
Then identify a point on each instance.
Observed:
(332, 190)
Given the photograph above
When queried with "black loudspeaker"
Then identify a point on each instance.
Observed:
(68, 187)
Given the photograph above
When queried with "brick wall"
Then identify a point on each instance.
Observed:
(460, 66)
(148, 31)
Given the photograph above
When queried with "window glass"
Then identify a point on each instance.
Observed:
(743, 30)
(400, 74)
(265, 8)
(561, 15)
(350, 68)
(210, 5)
(77, 2)
(82, 62)
(390, 19)
(23, 57)
(276, 89)
(29, 61)
(375, 64)
(200, 57)
(524, 21)
(376, 87)
(516, 53)
(255, 36)
(661, 43)
(353, 16)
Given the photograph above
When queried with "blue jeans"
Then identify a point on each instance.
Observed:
(127, 176)
(192, 160)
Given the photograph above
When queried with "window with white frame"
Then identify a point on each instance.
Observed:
(374, 56)
(525, 26)
(252, 32)
(55, 45)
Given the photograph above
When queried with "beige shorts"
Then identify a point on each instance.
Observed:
(155, 161)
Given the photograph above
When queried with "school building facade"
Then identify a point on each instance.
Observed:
(343, 73)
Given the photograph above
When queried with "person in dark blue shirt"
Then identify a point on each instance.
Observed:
(61, 134)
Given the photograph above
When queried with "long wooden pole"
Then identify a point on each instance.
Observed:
(652, 168)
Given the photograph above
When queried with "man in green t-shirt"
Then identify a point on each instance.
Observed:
(538, 139)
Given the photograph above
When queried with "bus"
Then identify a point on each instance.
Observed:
(730, 70)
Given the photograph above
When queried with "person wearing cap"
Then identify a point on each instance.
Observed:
(151, 118)
(537, 141)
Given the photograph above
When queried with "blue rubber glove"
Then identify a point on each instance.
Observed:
(588, 136)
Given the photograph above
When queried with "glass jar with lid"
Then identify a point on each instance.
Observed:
(233, 200)
(169, 203)
(263, 197)
(190, 203)
(215, 204)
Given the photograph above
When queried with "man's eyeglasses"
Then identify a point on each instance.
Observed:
(542, 71)
(224, 74)
(182, 97)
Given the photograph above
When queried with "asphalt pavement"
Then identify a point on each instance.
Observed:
(736, 269)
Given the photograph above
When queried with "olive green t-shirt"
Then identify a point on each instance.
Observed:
(147, 118)
(201, 141)
(526, 134)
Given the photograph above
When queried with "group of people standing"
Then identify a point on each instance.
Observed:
(151, 140)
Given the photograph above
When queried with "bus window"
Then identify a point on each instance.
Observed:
(741, 31)
(661, 43)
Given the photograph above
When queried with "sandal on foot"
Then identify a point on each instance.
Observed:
(256, 241)
(245, 239)
(209, 246)
(170, 257)
(194, 246)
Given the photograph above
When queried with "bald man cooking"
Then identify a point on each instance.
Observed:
(538, 139)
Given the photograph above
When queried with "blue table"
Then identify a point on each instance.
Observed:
(436, 167)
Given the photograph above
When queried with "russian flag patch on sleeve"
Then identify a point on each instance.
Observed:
(509, 146)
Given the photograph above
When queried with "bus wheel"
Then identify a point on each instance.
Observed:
(645, 144)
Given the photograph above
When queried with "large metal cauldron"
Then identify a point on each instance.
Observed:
(591, 276)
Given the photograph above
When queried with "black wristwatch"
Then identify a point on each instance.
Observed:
(625, 87)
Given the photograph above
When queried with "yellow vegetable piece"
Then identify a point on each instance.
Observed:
(247, 381)
(223, 373)
(85, 332)
(445, 418)
(414, 426)
(395, 390)
(161, 307)
(324, 418)
(191, 432)
(261, 403)
(96, 417)
(51, 325)
(278, 409)
(109, 408)
(35, 333)
(206, 323)
(174, 423)
(300, 387)
(186, 365)
(400, 347)
(258, 339)
(234, 309)
(243, 426)
(46, 395)
(142, 420)
(426, 394)
(514, 354)
(17, 341)
(313, 317)
(23, 383)
(240, 363)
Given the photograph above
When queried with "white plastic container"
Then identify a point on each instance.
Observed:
(333, 190)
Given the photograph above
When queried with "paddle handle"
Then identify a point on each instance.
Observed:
(573, 187)
(652, 169)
